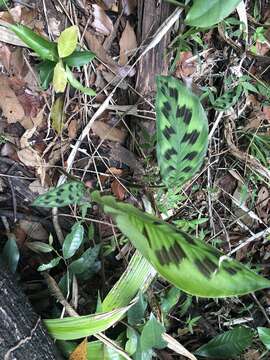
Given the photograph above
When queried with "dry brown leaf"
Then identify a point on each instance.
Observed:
(106, 132)
(127, 43)
(102, 23)
(33, 230)
(80, 353)
(262, 206)
(186, 66)
(30, 157)
(129, 6)
(72, 129)
(37, 188)
(9, 103)
(5, 56)
(118, 190)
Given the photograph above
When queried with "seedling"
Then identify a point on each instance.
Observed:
(57, 57)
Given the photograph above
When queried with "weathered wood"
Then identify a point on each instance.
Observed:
(151, 14)
(22, 335)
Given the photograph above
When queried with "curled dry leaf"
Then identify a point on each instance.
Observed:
(186, 65)
(102, 23)
(9, 103)
(106, 132)
(30, 157)
(128, 42)
(33, 230)
(118, 190)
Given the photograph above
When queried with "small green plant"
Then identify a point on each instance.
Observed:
(57, 57)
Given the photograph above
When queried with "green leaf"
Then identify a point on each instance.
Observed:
(79, 58)
(264, 335)
(188, 263)
(59, 77)
(208, 13)
(66, 194)
(102, 352)
(131, 344)
(53, 263)
(10, 255)
(86, 261)
(45, 72)
(227, 345)
(57, 115)
(182, 132)
(4, 4)
(67, 41)
(71, 328)
(136, 313)
(44, 48)
(151, 336)
(73, 240)
(170, 300)
(39, 247)
(77, 85)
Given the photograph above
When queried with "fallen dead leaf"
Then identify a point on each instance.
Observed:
(118, 190)
(37, 188)
(72, 129)
(30, 157)
(262, 206)
(80, 353)
(129, 6)
(185, 66)
(33, 230)
(9, 103)
(5, 55)
(105, 131)
(102, 23)
(127, 43)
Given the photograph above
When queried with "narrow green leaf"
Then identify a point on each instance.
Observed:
(182, 132)
(131, 344)
(227, 345)
(59, 77)
(151, 336)
(71, 328)
(264, 335)
(209, 13)
(73, 240)
(10, 255)
(44, 48)
(77, 85)
(187, 262)
(57, 115)
(67, 41)
(39, 247)
(79, 58)
(45, 72)
(53, 263)
(66, 194)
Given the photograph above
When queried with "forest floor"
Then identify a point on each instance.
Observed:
(108, 141)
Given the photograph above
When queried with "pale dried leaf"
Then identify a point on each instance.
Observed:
(105, 131)
(102, 23)
(177, 347)
(127, 43)
(80, 353)
(37, 188)
(34, 230)
(129, 6)
(9, 103)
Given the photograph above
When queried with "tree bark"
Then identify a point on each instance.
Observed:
(22, 335)
(151, 15)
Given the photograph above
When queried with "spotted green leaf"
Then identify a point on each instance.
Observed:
(182, 131)
(186, 262)
(66, 194)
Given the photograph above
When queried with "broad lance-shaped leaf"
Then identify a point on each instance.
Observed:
(182, 131)
(188, 263)
(66, 194)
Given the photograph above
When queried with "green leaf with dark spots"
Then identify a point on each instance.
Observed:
(182, 132)
(66, 194)
(227, 345)
(187, 262)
